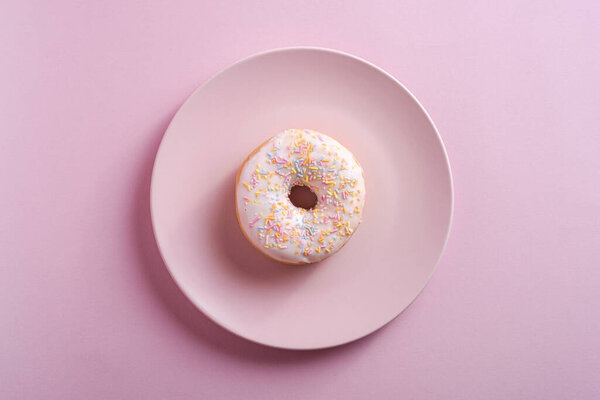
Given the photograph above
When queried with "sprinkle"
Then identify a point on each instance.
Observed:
(247, 186)
(254, 221)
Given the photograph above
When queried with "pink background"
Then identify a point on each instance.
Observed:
(87, 307)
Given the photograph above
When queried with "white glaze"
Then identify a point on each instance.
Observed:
(267, 216)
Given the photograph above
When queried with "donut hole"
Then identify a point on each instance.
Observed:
(302, 197)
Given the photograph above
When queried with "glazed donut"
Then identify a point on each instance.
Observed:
(302, 160)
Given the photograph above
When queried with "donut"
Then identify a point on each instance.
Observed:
(299, 196)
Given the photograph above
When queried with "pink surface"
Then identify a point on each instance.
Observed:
(390, 257)
(88, 310)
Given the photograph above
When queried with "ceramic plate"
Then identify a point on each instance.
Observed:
(406, 218)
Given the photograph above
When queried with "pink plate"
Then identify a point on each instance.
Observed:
(406, 218)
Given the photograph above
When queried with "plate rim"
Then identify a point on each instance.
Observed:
(215, 319)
